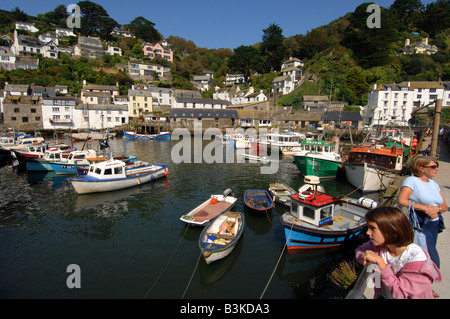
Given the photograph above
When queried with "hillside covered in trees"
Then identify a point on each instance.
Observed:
(342, 59)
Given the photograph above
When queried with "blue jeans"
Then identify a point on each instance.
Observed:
(430, 229)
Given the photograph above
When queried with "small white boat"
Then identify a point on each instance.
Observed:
(281, 192)
(219, 238)
(210, 209)
(114, 175)
(256, 158)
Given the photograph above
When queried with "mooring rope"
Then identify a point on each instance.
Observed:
(278, 262)
(165, 267)
(192, 276)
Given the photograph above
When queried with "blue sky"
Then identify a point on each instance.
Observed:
(216, 23)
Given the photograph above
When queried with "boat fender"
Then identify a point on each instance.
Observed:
(367, 202)
(166, 173)
(213, 200)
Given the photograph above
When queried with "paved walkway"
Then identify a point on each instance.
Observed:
(443, 243)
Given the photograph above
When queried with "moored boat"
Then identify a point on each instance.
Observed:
(219, 238)
(319, 220)
(258, 200)
(43, 164)
(210, 209)
(373, 168)
(113, 175)
(281, 192)
(318, 158)
(74, 160)
(132, 135)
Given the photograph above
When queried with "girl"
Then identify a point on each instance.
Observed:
(406, 270)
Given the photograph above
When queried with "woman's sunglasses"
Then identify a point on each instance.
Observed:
(432, 166)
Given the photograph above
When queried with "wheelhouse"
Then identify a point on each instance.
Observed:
(313, 208)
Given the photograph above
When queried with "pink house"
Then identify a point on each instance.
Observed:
(152, 51)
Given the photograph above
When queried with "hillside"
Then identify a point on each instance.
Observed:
(343, 59)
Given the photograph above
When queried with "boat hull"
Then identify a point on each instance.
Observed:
(302, 239)
(322, 168)
(38, 165)
(208, 210)
(258, 200)
(67, 168)
(368, 178)
(281, 193)
(215, 250)
(87, 184)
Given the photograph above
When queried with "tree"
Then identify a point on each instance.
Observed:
(245, 59)
(437, 17)
(58, 16)
(144, 29)
(371, 46)
(95, 21)
(19, 15)
(272, 47)
(408, 12)
(356, 83)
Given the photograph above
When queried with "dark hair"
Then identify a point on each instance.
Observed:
(393, 224)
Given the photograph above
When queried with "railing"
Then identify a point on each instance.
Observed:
(363, 288)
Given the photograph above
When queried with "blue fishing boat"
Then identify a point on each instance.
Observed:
(258, 200)
(319, 220)
(219, 238)
(43, 164)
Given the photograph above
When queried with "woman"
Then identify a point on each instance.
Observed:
(426, 196)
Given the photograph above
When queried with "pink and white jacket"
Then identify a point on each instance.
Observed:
(405, 280)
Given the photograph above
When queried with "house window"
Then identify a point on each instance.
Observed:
(33, 110)
(24, 119)
(16, 110)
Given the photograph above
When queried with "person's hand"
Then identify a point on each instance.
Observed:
(372, 257)
(432, 211)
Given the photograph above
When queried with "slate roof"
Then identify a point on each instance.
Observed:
(342, 116)
(203, 113)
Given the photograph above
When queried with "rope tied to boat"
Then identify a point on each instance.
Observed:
(192, 276)
(167, 264)
(278, 262)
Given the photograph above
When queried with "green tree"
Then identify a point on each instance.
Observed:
(356, 83)
(144, 29)
(436, 17)
(272, 47)
(57, 16)
(246, 59)
(371, 46)
(95, 21)
(408, 12)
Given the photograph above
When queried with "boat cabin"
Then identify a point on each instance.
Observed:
(108, 169)
(285, 138)
(318, 146)
(81, 155)
(54, 155)
(315, 208)
(391, 158)
(7, 141)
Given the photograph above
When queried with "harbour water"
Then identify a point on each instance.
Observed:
(131, 243)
